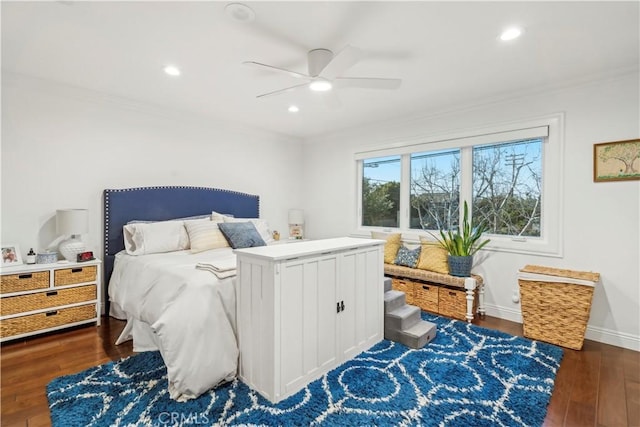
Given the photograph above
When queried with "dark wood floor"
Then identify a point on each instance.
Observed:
(598, 386)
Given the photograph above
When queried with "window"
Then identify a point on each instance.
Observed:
(507, 187)
(509, 175)
(435, 190)
(381, 191)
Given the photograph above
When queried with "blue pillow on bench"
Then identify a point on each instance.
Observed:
(407, 257)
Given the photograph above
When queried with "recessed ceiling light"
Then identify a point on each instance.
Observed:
(510, 34)
(240, 12)
(293, 109)
(320, 85)
(172, 70)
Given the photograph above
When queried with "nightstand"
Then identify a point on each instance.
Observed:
(40, 298)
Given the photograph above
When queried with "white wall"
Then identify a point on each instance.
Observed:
(601, 221)
(61, 146)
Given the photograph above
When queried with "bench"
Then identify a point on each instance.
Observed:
(457, 297)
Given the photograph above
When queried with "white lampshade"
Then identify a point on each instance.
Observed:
(73, 222)
(296, 216)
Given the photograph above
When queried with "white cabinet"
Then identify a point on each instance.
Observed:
(304, 309)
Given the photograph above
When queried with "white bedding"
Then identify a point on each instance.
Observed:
(186, 313)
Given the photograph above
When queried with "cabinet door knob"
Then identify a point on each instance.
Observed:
(337, 307)
(52, 293)
(341, 305)
(51, 313)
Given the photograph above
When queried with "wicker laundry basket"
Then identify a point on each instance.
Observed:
(556, 304)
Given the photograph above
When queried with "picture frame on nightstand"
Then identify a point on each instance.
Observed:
(11, 255)
(295, 231)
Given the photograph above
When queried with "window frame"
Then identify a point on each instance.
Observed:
(548, 244)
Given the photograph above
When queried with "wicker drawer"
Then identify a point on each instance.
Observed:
(24, 282)
(36, 322)
(426, 296)
(53, 298)
(406, 286)
(70, 276)
(453, 303)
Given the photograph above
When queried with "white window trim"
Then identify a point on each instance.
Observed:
(550, 244)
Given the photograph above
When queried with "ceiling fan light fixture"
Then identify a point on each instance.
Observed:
(172, 70)
(511, 34)
(320, 85)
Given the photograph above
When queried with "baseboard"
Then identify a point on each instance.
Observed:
(505, 313)
(594, 333)
(607, 336)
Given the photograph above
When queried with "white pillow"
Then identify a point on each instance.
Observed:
(261, 225)
(218, 217)
(155, 237)
(205, 235)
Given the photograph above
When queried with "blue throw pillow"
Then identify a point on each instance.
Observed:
(241, 234)
(408, 257)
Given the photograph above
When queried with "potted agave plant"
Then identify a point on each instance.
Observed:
(462, 244)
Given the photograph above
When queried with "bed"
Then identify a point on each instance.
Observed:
(188, 314)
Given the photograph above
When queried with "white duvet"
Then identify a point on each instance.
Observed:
(186, 313)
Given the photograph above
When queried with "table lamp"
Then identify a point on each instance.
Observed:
(74, 223)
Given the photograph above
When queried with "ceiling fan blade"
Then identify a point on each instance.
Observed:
(279, 91)
(342, 61)
(367, 82)
(276, 69)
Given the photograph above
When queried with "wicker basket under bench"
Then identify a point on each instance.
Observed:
(457, 297)
(46, 297)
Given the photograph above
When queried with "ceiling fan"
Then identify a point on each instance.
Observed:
(325, 72)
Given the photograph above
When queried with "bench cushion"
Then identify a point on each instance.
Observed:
(428, 276)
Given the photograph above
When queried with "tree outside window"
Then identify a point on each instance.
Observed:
(507, 187)
(435, 190)
(381, 191)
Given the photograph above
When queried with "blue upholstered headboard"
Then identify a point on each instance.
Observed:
(162, 203)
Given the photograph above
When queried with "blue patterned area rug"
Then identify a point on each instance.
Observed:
(467, 376)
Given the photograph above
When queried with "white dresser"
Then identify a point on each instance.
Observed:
(304, 309)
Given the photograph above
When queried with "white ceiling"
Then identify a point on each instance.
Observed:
(447, 53)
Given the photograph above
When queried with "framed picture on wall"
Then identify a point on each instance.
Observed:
(616, 161)
(11, 255)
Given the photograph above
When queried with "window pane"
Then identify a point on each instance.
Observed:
(381, 191)
(507, 187)
(435, 190)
